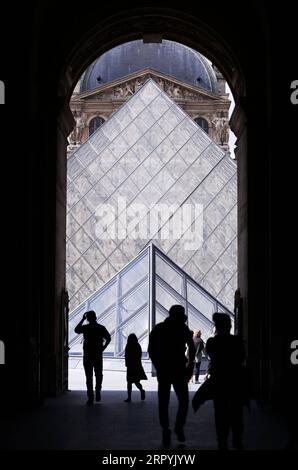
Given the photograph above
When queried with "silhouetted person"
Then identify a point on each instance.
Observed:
(199, 347)
(227, 356)
(96, 339)
(133, 362)
(167, 347)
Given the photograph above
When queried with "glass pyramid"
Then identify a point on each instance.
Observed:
(150, 173)
(139, 296)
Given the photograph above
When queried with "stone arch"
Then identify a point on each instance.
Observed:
(153, 24)
(138, 23)
(159, 22)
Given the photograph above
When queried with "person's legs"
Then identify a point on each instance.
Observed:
(88, 366)
(192, 379)
(181, 389)
(129, 389)
(222, 421)
(98, 376)
(197, 374)
(164, 389)
(237, 424)
(139, 386)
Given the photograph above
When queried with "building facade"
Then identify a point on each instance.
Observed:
(183, 74)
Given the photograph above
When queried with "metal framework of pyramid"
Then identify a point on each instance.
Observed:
(139, 296)
(148, 153)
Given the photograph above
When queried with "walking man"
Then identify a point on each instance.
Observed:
(168, 342)
(96, 339)
(227, 372)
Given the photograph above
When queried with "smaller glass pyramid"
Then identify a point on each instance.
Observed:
(139, 296)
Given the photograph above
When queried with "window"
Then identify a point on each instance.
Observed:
(202, 123)
(94, 124)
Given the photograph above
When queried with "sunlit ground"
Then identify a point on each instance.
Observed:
(113, 377)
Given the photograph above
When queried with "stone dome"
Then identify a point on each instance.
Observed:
(168, 57)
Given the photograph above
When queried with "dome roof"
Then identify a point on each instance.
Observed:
(167, 57)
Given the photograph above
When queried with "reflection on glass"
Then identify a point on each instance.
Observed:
(169, 274)
(134, 301)
(165, 297)
(200, 300)
(198, 322)
(104, 300)
(137, 271)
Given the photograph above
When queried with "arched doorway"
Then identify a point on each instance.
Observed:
(199, 39)
(79, 50)
(156, 163)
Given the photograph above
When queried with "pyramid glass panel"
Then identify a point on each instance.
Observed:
(139, 297)
(150, 170)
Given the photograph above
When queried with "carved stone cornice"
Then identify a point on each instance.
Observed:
(130, 84)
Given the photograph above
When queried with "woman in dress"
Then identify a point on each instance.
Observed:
(133, 362)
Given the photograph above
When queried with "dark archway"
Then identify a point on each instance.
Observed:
(77, 41)
(167, 24)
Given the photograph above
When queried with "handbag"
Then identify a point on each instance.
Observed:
(204, 393)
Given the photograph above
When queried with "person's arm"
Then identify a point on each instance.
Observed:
(107, 338)
(139, 351)
(208, 352)
(126, 356)
(191, 346)
(191, 350)
(79, 328)
(153, 349)
(208, 347)
(191, 355)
